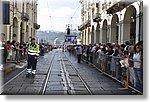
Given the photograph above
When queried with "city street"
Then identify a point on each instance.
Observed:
(58, 73)
(71, 47)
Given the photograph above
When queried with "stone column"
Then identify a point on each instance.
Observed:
(101, 36)
(18, 34)
(85, 36)
(109, 33)
(120, 35)
(97, 36)
(137, 29)
(25, 31)
(89, 36)
(94, 36)
(82, 37)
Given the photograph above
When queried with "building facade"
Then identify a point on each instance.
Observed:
(117, 21)
(22, 20)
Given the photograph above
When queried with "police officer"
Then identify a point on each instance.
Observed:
(33, 53)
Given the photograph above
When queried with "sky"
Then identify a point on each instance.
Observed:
(56, 14)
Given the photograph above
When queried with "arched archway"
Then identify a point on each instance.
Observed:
(89, 36)
(15, 29)
(114, 28)
(104, 32)
(85, 33)
(130, 25)
(97, 33)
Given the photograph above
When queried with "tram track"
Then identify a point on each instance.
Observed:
(43, 89)
(68, 86)
(80, 77)
(66, 75)
(61, 77)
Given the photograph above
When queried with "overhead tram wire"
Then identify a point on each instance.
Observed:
(73, 14)
(74, 2)
(62, 17)
(52, 17)
(49, 14)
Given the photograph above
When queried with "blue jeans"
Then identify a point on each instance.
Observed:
(138, 78)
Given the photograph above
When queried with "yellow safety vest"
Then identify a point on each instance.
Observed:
(33, 49)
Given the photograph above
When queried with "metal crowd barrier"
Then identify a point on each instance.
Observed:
(110, 65)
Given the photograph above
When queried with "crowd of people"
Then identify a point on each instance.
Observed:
(14, 51)
(120, 57)
(17, 52)
(116, 58)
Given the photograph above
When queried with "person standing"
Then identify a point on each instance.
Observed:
(33, 53)
(17, 57)
(79, 53)
(137, 68)
(9, 50)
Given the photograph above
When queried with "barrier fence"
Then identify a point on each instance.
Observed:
(111, 66)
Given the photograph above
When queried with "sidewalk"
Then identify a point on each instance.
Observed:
(11, 66)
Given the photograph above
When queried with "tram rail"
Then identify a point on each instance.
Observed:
(80, 77)
(47, 77)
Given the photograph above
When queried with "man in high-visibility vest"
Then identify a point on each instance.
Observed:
(33, 53)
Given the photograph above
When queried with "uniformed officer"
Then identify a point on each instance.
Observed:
(33, 53)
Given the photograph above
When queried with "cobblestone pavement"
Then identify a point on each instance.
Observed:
(60, 74)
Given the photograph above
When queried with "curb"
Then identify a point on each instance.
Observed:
(9, 68)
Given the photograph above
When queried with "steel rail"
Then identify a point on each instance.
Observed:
(80, 77)
(69, 86)
(47, 77)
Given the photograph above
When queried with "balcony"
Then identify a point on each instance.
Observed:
(87, 23)
(84, 25)
(81, 27)
(24, 16)
(36, 26)
(97, 17)
(119, 6)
